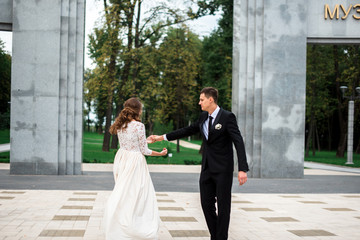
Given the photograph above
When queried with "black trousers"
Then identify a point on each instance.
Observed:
(216, 187)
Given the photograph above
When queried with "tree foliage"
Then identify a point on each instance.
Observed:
(328, 68)
(180, 58)
(217, 52)
(117, 46)
(5, 76)
(5, 87)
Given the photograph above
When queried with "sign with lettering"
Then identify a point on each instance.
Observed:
(333, 21)
(341, 10)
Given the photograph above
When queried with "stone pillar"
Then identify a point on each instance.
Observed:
(47, 86)
(269, 77)
(6, 15)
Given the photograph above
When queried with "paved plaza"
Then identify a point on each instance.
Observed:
(71, 207)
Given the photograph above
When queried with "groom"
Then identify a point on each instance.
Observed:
(219, 131)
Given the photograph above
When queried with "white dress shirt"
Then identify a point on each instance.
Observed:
(206, 123)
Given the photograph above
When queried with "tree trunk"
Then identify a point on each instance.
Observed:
(357, 151)
(313, 137)
(329, 134)
(109, 108)
(177, 127)
(99, 129)
(136, 60)
(308, 140)
(114, 139)
(111, 73)
(107, 135)
(317, 139)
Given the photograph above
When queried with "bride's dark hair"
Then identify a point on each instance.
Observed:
(131, 111)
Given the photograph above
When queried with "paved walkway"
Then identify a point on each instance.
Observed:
(329, 167)
(323, 205)
(4, 147)
(188, 144)
(77, 214)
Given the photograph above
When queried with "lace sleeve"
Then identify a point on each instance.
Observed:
(142, 140)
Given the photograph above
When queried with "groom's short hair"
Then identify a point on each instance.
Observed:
(210, 92)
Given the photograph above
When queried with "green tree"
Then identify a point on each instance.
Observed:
(328, 68)
(319, 102)
(180, 58)
(149, 75)
(87, 100)
(217, 51)
(350, 77)
(5, 86)
(124, 33)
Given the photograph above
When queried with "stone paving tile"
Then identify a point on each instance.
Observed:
(161, 194)
(311, 233)
(241, 202)
(81, 199)
(312, 202)
(256, 209)
(12, 192)
(279, 219)
(77, 207)
(189, 233)
(29, 215)
(339, 209)
(166, 200)
(6, 198)
(291, 196)
(171, 209)
(85, 193)
(70, 218)
(178, 219)
(352, 196)
(62, 233)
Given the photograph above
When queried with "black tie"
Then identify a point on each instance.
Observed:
(210, 124)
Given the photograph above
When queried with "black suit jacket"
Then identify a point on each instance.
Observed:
(217, 150)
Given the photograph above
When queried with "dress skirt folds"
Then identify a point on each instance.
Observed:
(131, 211)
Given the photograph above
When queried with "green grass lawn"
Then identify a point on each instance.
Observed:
(92, 152)
(4, 136)
(5, 157)
(329, 157)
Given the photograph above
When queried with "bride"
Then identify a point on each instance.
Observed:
(131, 211)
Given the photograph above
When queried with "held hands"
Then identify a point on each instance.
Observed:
(154, 138)
(242, 177)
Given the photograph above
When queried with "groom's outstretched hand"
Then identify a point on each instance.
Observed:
(154, 138)
(242, 177)
(150, 139)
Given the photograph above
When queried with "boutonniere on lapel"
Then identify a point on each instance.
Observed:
(218, 126)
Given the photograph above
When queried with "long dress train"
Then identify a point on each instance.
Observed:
(131, 211)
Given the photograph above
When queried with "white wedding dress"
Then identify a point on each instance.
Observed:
(131, 211)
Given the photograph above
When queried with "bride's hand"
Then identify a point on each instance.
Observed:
(164, 152)
(151, 139)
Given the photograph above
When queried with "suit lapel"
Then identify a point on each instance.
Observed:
(216, 121)
(202, 121)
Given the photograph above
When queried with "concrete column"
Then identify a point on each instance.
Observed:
(46, 90)
(6, 15)
(269, 76)
(350, 136)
